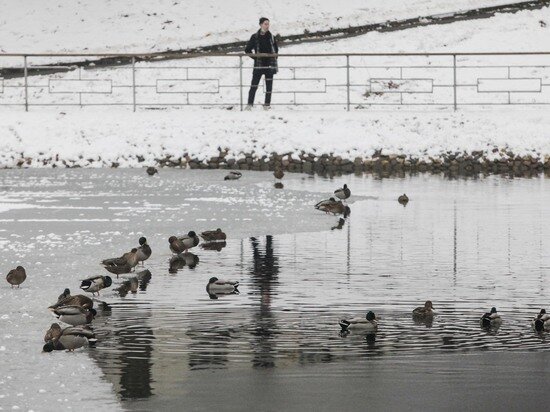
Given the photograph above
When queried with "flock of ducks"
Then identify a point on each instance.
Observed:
(489, 320)
(78, 312)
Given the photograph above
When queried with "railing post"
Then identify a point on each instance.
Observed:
(454, 80)
(26, 83)
(347, 81)
(134, 82)
(241, 80)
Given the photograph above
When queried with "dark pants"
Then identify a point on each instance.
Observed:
(256, 77)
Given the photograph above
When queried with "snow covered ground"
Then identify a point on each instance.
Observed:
(127, 26)
(106, 137)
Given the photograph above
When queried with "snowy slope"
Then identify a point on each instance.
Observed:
(36, 26)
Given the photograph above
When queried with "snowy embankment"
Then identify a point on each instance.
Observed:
(119, 26)
(247, 140)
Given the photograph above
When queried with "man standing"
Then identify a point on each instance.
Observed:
(262, 42)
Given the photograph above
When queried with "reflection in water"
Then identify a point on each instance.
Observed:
(216, 246)
(264, 272)
(178, 262)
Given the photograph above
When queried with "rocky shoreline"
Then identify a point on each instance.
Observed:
(497, 161)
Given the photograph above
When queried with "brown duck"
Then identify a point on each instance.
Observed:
(16, 276)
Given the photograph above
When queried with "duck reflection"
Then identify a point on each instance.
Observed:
(131, 285)
(264, 273)
(217, 246)
(178, 262)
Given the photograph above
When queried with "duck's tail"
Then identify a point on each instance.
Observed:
(539, 325)
(344, 324)
(485, 321)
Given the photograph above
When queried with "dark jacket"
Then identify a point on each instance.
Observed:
(253, 45)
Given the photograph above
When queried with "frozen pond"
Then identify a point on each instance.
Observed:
(465, 244)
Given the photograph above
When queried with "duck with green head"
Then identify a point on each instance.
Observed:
(367, 324)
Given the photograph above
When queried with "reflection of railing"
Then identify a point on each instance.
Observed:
(351, 81)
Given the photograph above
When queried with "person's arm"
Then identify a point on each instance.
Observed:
(250, 46)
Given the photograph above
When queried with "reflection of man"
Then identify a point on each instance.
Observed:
(262, 42)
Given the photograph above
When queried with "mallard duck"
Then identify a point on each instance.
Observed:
(66, 293)
(71, 338)
(95, 283)
(123, 264)
(217, 246)
(342, 193)
(53, 333)
(213, 235)
(152, 170)
(335, 207)
(541, 321)
(16, 276)
(190, 240)
(233, 175)
(403, 199)
(217, 286)
(76, 300)
(75, 315)
(144, 251)
(368, 323)
(424, 311)
(278, 173)
(490, 319)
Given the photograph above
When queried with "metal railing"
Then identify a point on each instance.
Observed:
(352, 81)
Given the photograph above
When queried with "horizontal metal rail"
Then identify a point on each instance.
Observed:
(353, 81)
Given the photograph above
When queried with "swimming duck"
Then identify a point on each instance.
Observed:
(123, 264)
(217, 286)
(233, 175)
(424, 311)
(278, 173)
(368, 324)
(152, 170)
(75, 315)
(213, 235)
(71, 338)
(16, 276)
(95, 283)
(403, 199)
(343, 193)
(76, 300)
(490, 319)
(143, 251)
(541, 321)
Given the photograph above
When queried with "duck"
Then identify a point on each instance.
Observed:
(425, 311)
(343, 193)
(233, 175)
(278, 173)
(368, 324)
(541, 321)
(213, 235)
(490, 319)
(217, 286)
(144, 251)
(123, 264)
(152, 170)
(335, 207)
(403, 199)
(53, 333)
(76, 300)
(16, 276)
(95, 283)
(70, 338)
(66, 293)
(75, 315)
(189, 240)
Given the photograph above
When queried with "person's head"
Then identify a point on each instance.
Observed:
(264, 24)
